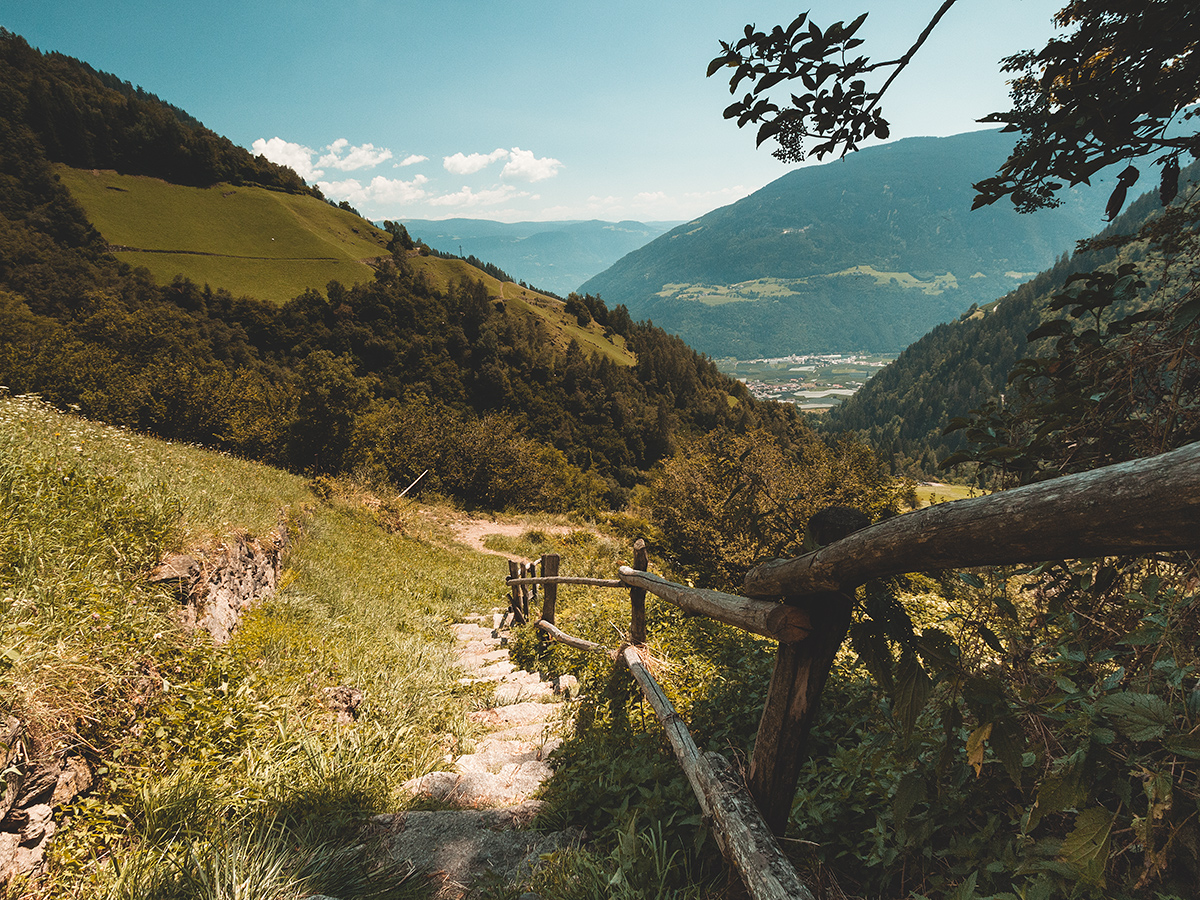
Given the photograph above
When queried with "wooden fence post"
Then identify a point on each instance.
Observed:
(527, 570)
(801, 669)
(550, 595)
(796, 683)
(532, 595)
(637, 597)
(514, 603)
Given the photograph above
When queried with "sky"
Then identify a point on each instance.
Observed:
(521, 110)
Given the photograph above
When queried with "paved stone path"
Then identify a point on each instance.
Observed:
(492, 786)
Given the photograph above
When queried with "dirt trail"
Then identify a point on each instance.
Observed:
(490, 789)
(472, 532)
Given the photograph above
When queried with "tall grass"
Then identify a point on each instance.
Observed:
(221, 771)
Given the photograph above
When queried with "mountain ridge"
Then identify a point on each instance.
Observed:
(820, 234)
(904, 409)
(555, 255)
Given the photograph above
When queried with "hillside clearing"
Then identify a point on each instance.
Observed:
(248, 240)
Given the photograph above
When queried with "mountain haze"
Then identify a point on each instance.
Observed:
(553, 256)
(868, 252)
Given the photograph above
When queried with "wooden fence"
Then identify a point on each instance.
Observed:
(804, 603)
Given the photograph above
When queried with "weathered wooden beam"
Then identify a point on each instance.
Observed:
(567, 579)
(637, 596)
(765, 870)
(741, 832)
(1143, 506)
(773, 620)
(570, 640)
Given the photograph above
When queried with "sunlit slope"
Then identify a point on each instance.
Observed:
(248, 240)
(562, 328)
(273, 246)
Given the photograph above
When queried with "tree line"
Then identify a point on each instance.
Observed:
(93, 120)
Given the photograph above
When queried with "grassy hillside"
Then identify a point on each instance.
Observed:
(248, 240)
(550, 311)
(274, 246)
(209, 754)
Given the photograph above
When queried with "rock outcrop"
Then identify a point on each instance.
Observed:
(217, 586)
(36, 782)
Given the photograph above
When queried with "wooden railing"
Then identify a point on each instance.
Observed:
(804, 603)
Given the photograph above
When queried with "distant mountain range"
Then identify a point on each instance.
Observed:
(866, 253)
(552, 256)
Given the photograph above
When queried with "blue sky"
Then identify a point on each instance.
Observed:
(516, 110)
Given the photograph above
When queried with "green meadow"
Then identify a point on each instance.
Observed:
(274, 246)
(248, 240)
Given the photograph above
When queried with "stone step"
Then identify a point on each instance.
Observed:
(509, 762)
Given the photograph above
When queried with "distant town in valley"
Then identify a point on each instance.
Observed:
(814, 382)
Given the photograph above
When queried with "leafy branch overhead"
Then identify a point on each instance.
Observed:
(836, 110)
(1117, 83)
(1119, 86)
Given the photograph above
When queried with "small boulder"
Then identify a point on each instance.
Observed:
(566, 686)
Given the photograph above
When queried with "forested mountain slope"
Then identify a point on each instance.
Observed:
(94, 120)
(430, 364)
(868, 252)
(904, 409)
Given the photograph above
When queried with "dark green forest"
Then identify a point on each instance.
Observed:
(94, 120)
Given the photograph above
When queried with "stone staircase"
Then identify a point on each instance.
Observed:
(484, 836)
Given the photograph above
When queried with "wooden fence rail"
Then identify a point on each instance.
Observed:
(1144, 506)
(804, 603)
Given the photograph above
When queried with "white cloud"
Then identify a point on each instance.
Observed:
(378, 191)
(410, 161)
(467, 197)
(346, 158)
(463, 164)
(285, 153)
(524, 166)
(651, 198)
(341, 155)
